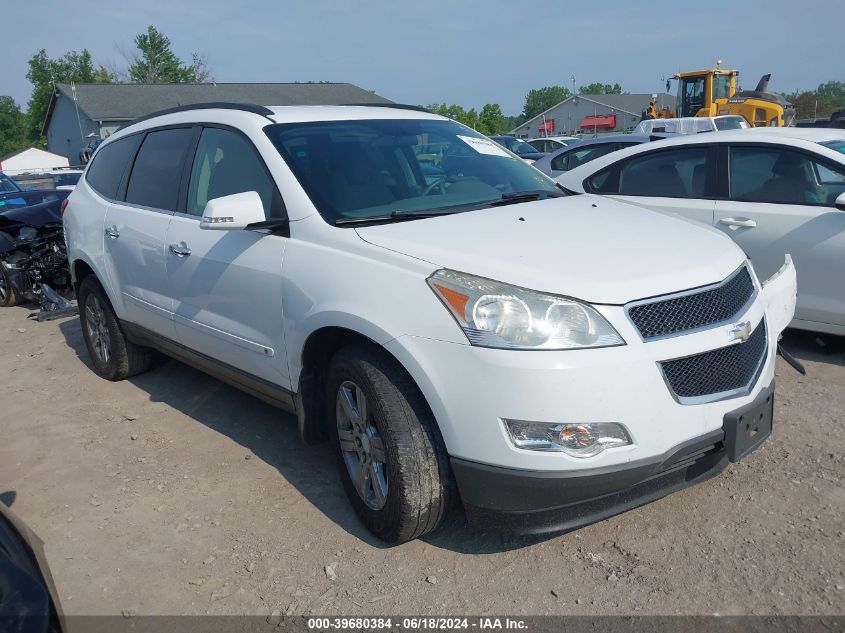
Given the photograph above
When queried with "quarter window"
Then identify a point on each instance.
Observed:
(668, 174)
(106, 170)
(154, 181)
(225, 164)
(775, 175)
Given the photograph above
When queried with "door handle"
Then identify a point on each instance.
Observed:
(180, 250)
(112, 232)
(737, 222)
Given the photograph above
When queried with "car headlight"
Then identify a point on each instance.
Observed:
(495, 314)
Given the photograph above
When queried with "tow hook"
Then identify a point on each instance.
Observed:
(791, 360)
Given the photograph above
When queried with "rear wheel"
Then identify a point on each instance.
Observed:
(390, 454)
(113, 355)
(8, 295)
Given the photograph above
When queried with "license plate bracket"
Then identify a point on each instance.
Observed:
(747, 428)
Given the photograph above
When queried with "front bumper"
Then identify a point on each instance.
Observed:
(537, 502)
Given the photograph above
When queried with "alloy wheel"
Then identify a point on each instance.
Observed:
(361, 445)
(98, 329)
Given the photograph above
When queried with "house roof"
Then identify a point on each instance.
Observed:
(125, 102)
(632, 104)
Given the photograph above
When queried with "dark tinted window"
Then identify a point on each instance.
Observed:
(677, 173)
(154, 181)
(771, 174)
(578, 157)
(226, 163)
(106, 170)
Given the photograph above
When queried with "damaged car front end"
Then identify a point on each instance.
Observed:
(33, 257)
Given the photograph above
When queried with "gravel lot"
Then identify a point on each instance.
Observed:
(171, 493)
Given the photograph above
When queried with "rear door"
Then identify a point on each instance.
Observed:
(226, 286)
(680, 181)
(781, 200)
(136, 225)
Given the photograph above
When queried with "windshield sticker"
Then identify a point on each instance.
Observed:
(484, 146)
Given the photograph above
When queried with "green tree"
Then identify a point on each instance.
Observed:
(541, 99)
(491, 120)
(832, 90)
(44, 73)
(13, 129)
(156, 63)
(601, 89)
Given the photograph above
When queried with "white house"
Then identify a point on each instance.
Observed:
(31, 160)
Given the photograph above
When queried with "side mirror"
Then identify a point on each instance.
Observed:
(231, 213)
(839, 203)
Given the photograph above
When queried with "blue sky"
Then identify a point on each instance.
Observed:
(461, 51)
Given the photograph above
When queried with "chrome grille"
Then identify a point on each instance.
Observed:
(719, 373)
(705, 306)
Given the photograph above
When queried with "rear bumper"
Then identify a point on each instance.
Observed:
(537, 502)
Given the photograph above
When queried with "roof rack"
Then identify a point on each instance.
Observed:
(213, 105)
(398, 106)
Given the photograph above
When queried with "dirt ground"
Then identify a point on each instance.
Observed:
(171, 493)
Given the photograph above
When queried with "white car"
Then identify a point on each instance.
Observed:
(772, 190)
(692, 125)
(483, 334)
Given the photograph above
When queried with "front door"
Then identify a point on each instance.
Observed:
(226, 286)
(781, 201)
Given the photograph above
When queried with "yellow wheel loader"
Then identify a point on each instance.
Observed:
(713, 93)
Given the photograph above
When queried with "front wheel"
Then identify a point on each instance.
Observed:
(390, 454)
(8, 295)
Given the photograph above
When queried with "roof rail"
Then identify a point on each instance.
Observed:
(213, 105)
(398, 106)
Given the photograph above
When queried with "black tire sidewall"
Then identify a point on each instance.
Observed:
(12, 297)
(382, 522)
(117, 345)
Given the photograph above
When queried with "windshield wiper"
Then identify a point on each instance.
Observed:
(394, 216)
(515, 197)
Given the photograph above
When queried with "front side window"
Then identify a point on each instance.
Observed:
(578, 157)
(226, 163)
(677, 173)
(777, 175)
(7, 184)
(515, 145)
(109, 164)
(154, 181)
(354, 170)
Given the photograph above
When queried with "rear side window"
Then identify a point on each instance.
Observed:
(107, 169)
(678, 173)
(154, 181)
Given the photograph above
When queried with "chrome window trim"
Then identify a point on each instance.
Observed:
(693, 291)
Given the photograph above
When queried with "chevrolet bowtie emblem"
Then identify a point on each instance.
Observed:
(740, 332)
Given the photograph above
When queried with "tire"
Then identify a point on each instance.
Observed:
(8, 295)
(407, 494)
(114, 356)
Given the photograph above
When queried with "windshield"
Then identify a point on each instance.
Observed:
(66, 180)
(837, 146)
(7, 184)
(372, 168)
(730, 123)
(515, 145)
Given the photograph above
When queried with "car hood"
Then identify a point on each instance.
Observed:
(591, 248)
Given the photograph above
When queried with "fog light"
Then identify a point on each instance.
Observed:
(578, 440)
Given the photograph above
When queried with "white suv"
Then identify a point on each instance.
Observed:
(441, 311)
